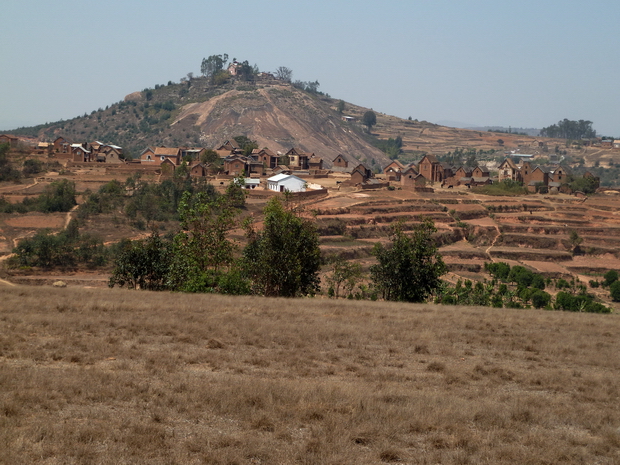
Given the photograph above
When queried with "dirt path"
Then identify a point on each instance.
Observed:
(68, 218)
(12, 188)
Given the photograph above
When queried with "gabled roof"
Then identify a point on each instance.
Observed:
(431, 158)
(282, 176)
(409, 168)
(166, 151)
(397, 163)
(230, 144)
(509, 162)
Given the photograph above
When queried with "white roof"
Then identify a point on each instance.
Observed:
(279, 177)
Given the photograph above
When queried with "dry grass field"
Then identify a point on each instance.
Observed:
(94, 376)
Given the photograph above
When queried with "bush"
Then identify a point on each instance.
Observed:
(540, 299)
(610, 277)
(614, 291)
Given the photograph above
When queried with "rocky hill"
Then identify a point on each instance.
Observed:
(274, 113)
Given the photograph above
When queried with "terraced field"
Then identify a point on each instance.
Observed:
(533, 231)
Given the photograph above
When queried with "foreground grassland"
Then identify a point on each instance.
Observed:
(127, 377)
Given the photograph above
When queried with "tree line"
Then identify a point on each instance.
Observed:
(282, 258)
(567, 129)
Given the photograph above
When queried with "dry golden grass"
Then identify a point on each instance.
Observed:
(127, 377)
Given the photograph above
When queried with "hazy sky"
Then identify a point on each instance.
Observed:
(508, 63)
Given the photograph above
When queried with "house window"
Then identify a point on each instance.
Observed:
(163, 158)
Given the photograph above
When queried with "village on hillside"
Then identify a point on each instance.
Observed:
(299, 171)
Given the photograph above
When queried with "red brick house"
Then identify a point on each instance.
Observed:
(298, 160)
(432, 170)
(340, 161)
(360, 174)
(508, 170)
(62, 145)
(315, 164)
(8, 139)
(235, 165)
(394, 170)
(266, 156)
(410, 178)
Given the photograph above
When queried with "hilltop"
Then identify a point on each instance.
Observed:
(276, 114)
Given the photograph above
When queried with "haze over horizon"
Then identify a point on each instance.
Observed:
(520, 64)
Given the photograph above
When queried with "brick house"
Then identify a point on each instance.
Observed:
(8, 139)
(394, 170)
(235, 165)
(508, 170)
(298, 160)
(340, 162)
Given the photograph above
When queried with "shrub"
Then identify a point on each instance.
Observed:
(610, 277)
(614, 291)
(540, 299)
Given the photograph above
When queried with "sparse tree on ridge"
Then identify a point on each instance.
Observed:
(213, 65)
(284, 74)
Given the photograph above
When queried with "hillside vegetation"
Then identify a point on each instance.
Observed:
(114, 376)
(278, 115)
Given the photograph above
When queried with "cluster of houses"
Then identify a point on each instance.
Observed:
(430, 170)
(283, 169)
(85, 152)
(233, 162)
(535, 177)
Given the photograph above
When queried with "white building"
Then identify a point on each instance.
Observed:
(286, 183)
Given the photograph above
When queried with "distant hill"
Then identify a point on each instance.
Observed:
(274, 113)
(534, 132)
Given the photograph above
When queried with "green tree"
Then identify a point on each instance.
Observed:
(246, 144)
(345, 275)
(341, 106)
(369, 119)
(202, 249)
(210, 157)
(409, 269)
(540, 299)
(284, 258)
(610, 277)
(7, 172)
(143, 264)
(59, 196)
(32, 167)
(614, 291)
(211, 66)
(247, 72)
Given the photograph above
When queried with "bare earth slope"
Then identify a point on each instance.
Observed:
(278, 117)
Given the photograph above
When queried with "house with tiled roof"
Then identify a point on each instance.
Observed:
(340, 162)
(167, 153)
(298, 159)
(393, 171)
(508, 170)
(8, 139)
